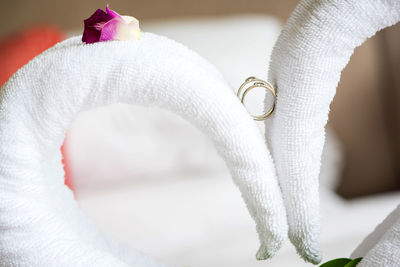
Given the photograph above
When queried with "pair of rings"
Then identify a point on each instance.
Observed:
(257, 83)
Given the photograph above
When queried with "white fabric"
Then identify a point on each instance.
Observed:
(382, 246)
(203, 228)
(41, 224)
(313, 48)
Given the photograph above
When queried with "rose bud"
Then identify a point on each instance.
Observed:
(109, 25)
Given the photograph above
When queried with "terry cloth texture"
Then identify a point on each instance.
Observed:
(41, 224)
(312, 50)
(382, 246)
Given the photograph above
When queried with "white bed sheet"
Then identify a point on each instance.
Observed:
(203, 222)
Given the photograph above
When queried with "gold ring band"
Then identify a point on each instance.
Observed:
(257, 83)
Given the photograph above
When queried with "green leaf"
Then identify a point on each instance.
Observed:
(341, 262)
(353, 263)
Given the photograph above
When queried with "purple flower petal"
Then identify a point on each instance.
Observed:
(112, 13)
(109, 30)
(94, 25)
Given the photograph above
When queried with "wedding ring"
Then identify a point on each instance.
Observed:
(257, 83)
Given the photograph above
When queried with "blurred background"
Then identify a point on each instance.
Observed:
(148, 178)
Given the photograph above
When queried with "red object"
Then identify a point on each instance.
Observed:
(18, 49)
(68, 180)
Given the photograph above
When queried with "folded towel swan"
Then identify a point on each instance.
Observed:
(41, 224)
(312, 50)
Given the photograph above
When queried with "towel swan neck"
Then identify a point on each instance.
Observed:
(43, 224)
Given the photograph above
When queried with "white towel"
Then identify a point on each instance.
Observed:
(312, 50)
(41, 224)
(382, 246)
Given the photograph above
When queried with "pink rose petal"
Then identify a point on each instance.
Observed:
(94, 25)
(110, 30)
